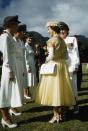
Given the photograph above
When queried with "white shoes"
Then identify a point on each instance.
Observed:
(54, 119)
(4, 123)
(13, 113)
(27, 97)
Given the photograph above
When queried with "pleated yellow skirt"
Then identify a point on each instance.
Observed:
(55, 90)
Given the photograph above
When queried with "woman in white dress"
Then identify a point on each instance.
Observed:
(30, 62)
(9, 75)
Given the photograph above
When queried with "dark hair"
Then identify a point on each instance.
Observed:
(63, 26)
(56, 29)
(21, 28)
(28, 35)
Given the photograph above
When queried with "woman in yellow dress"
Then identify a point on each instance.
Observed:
(55, 90)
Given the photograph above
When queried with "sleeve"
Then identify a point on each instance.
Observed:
(27, 59)
(50, 54)
(6, 53)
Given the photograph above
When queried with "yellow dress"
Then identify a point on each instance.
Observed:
(56, 90)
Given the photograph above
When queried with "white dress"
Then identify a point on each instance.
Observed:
(9, 65)
(73, 61)
(19, 84)
(30, 65)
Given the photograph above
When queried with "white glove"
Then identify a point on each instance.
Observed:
(50, 54)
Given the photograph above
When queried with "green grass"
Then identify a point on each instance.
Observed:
(35, 117)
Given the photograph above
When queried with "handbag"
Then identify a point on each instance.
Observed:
(48, 69)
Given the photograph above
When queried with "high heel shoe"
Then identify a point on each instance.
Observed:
(54, 119)
(27, 97)
(4, 123)
(13, 113)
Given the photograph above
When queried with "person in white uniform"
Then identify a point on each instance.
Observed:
(30, 62)
(73, 60)
(8, 76)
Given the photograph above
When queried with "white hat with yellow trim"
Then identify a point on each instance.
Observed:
(52, 23)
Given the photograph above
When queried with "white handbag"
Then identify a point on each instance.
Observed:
(48, 69)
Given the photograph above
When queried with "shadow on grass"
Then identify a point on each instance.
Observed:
(83, 113)
(82, 116)
(28, 101)
(38, 109)
(43, 118)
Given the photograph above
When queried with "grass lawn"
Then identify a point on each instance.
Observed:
(35, 117)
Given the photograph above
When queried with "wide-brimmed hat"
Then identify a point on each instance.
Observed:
(11, 20)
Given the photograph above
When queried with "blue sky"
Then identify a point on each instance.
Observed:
(36, 13)
(5, 3)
